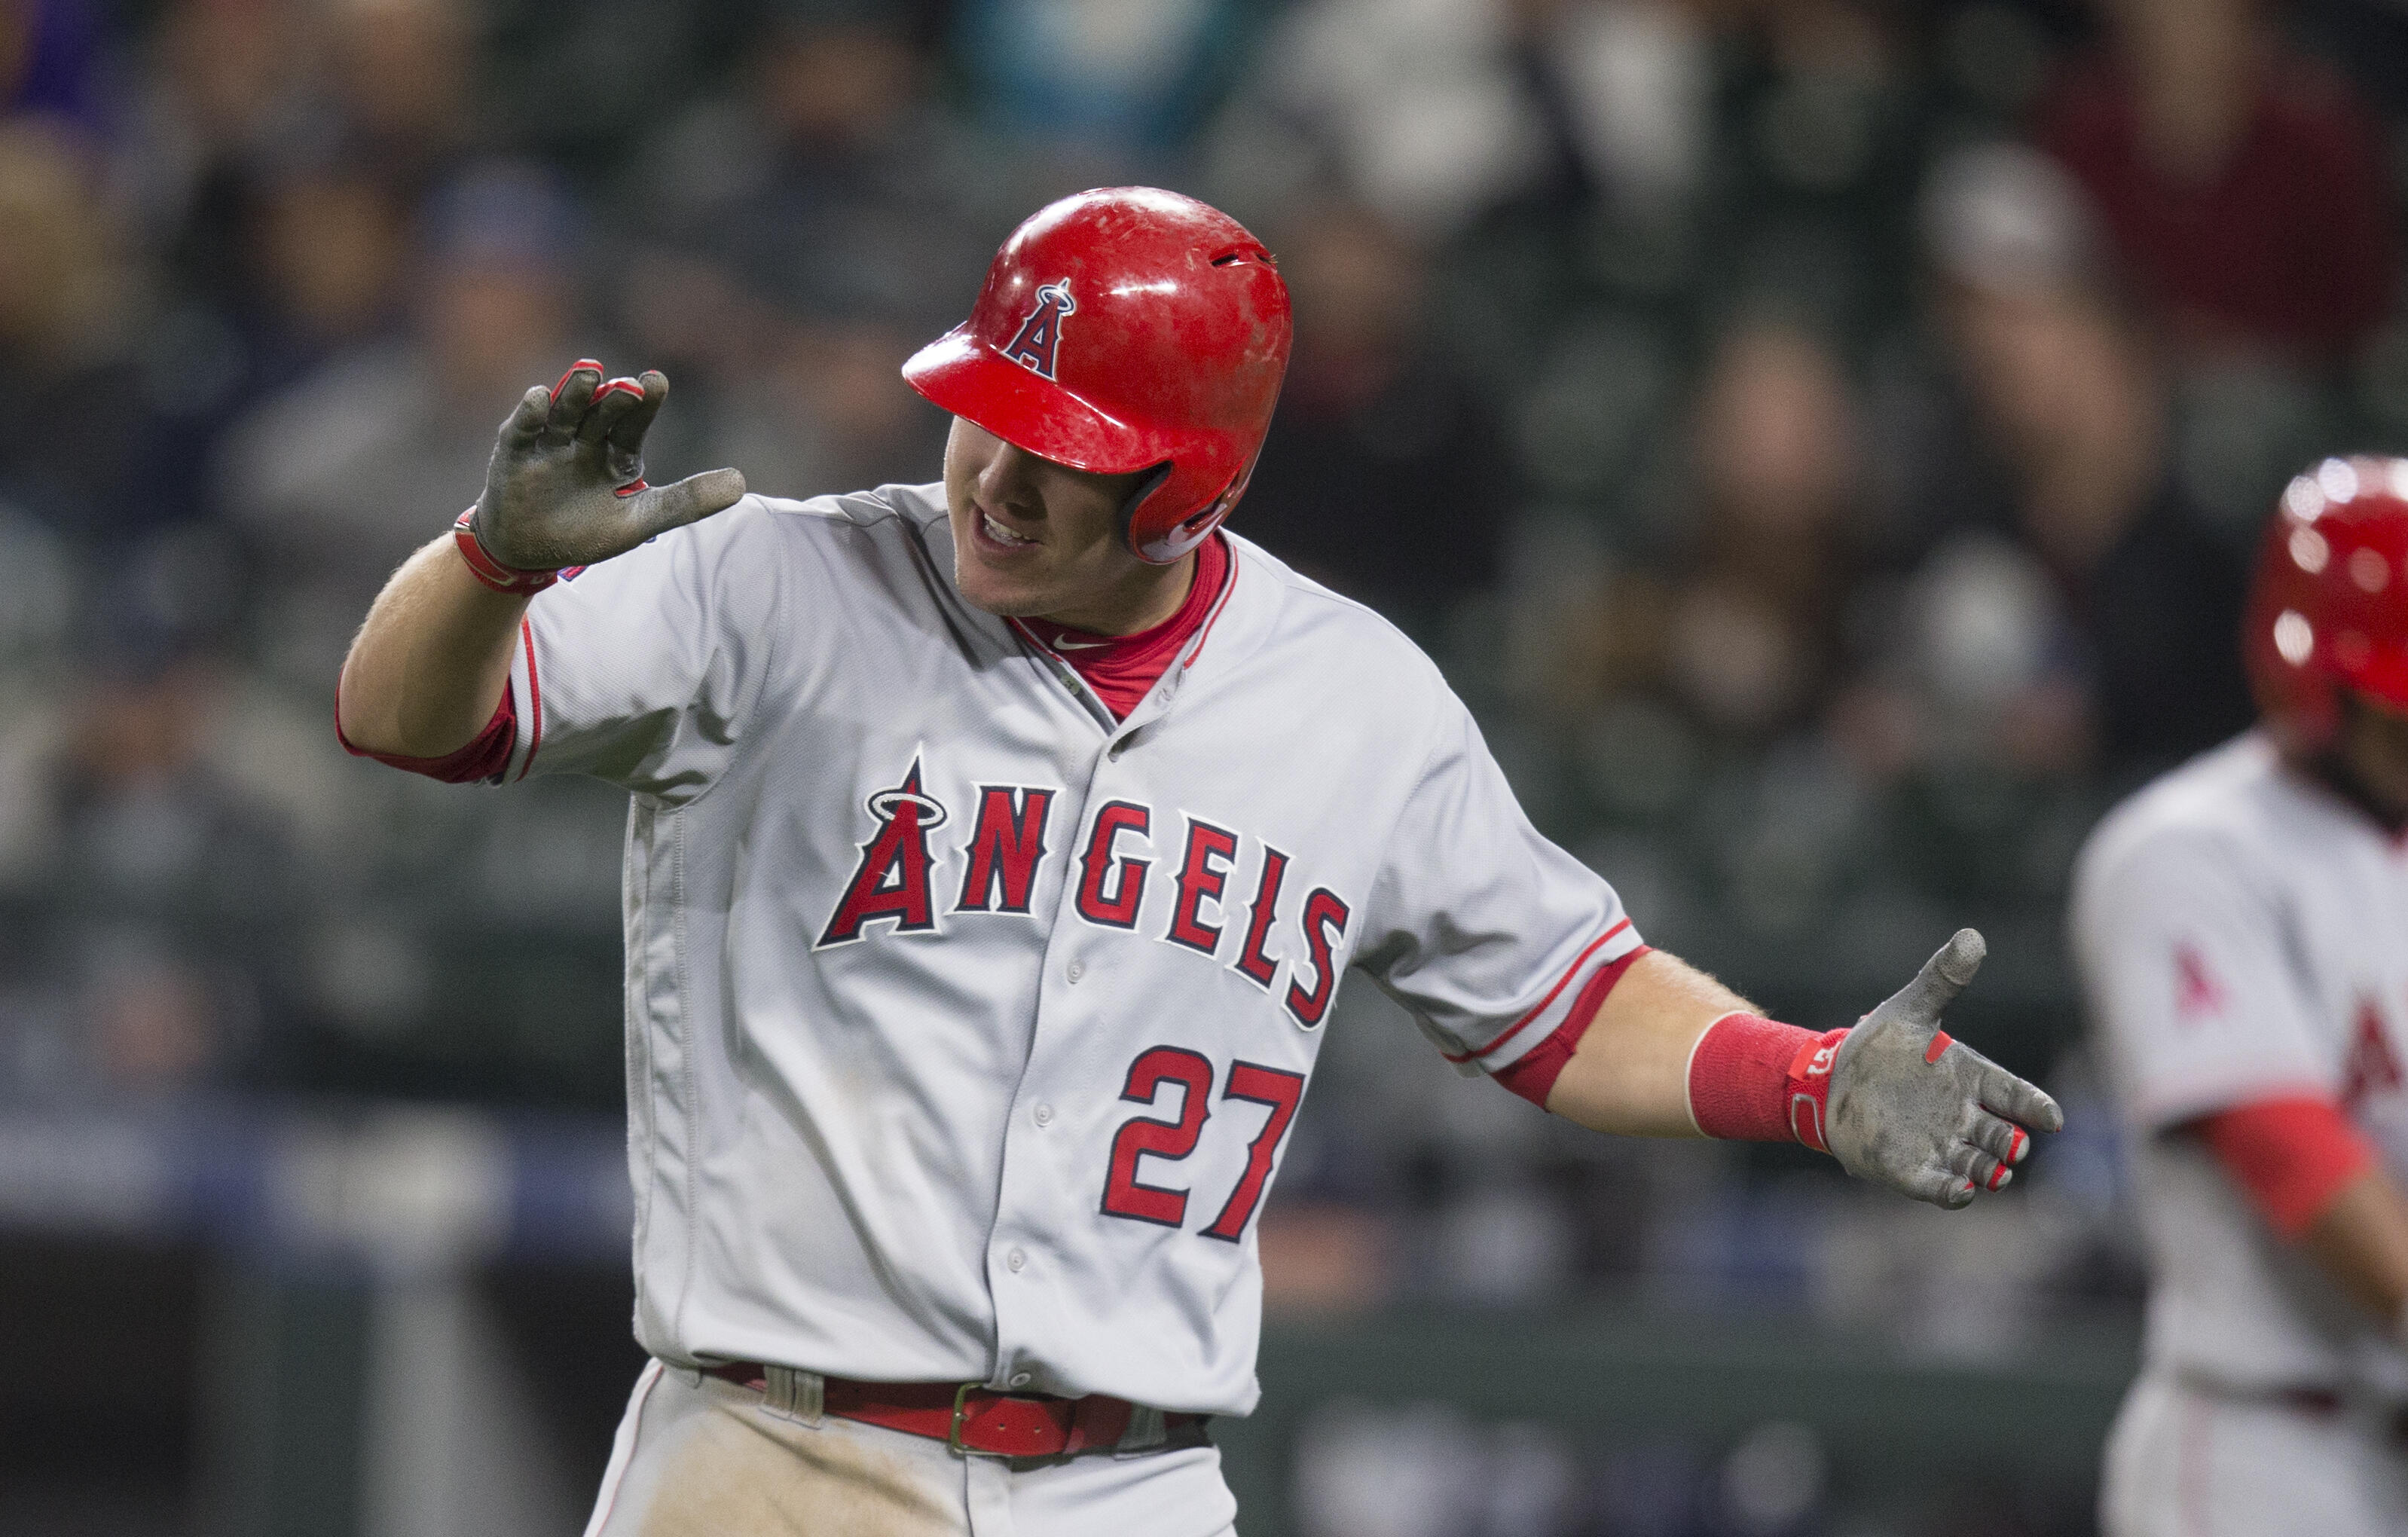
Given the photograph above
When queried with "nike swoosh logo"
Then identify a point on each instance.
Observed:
(1079, 645)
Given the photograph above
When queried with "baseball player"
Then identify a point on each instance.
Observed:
(2242, 926)
(996, 847)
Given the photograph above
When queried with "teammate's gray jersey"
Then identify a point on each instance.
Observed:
(965, 1025)
(2243, 935)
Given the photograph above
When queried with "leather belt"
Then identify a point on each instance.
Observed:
(2314, 1400)
(976, 1421)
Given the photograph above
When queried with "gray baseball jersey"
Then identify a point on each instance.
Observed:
(2243, 935)
(966, 1025)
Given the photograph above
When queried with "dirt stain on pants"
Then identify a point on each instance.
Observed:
(737, 1470)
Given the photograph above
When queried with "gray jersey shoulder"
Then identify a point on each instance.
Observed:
(2229, 804)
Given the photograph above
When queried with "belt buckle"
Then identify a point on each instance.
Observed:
(961, 1413)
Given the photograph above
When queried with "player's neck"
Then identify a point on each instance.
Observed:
(2332, 770)
(1145, 598)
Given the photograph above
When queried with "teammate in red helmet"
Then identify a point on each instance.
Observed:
(996, 848)
(2243, 929)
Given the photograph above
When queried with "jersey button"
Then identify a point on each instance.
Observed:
(1014, 1260)
(1078, 970)
(1019, 1379)
(1044, 1114)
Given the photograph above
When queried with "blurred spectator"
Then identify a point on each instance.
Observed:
(340, 478)
(68, 316)
(819, 406)
(47, 51)
(1765, 149)
(1818, 146)
(1754, 640)
(1415, 108)
(230, 85)
(1744, 633)
(1576, 101)
(2067, 397)
(167, 893)
(1119, 77)
(265, 190)
(400, 73)
(799, 238)
(1383, 474)
(330, 245)
(2243, 186)
(323, 244)
(1627, 86)
(831, 184)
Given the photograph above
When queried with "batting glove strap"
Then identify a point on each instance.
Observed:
(1806, 1089)
(492, 572)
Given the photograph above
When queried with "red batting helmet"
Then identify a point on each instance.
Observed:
(1123, 329)
(2330, 608)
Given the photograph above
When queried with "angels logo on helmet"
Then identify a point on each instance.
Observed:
(1035, 345)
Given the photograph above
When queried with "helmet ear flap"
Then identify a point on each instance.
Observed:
(1185, 535)
(1152, 480)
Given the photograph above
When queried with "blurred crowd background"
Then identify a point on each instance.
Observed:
(1824, 439)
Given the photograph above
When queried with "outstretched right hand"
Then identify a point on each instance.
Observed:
(566, 486)
(1924, 1113)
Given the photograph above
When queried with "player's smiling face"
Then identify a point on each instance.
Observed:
(1033, 539)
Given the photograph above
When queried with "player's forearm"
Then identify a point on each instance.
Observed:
(1672, 1053)
(2314, 1178)
(2361, 1241)
(1629, 1074)
(431, 661)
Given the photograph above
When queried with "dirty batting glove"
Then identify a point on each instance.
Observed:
(1894, 1099)
(1911, 1108)
(565, 485)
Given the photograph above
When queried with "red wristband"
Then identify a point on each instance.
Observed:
(1753, 1079)
(492, 572)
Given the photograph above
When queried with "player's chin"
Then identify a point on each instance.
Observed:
(1007, 593)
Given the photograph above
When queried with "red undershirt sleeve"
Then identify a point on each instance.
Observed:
(1533, 1074)
(2292, 1156)
(481, 760)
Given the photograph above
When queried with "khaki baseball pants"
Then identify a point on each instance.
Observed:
(2184, 1462)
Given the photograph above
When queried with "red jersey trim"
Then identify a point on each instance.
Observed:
(535, 698)
(486, 756)
(1228, 589)
(1541, 1007)
(1532, 1075)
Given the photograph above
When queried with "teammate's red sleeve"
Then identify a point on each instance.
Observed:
(2292, 1156)
(1756, 1079)
(1533, 1074)
(483, 758)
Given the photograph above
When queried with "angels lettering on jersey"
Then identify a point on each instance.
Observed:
(903, 873)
